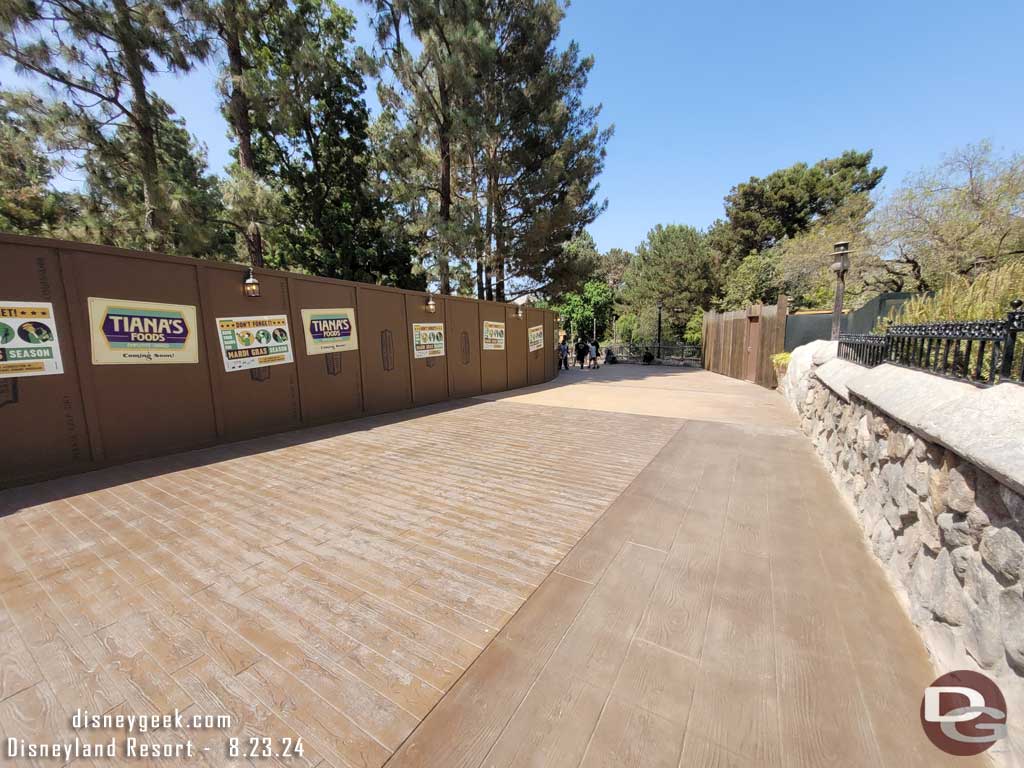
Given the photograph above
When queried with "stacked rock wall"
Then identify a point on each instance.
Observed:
(949, 529)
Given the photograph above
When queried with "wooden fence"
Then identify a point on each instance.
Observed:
(109, 355)
(741, 343)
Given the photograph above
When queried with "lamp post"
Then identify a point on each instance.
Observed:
(840, 265)
(660, 306)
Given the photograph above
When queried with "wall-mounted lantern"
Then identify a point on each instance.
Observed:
(519, 310)
(251, 286)
(431, 305)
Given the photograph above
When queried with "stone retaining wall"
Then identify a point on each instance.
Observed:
(949, 532)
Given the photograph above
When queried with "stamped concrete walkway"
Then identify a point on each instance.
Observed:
(627, 567)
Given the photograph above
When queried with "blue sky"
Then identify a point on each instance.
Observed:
(705, 95)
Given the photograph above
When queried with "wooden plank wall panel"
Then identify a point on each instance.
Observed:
(464, 355)
(97, 415)
(494, 363)
(535, 367)
(384, 350)
(331, 384)
(726, 336)
(515, 347)
(141, 410)
(46, 413)
(429, 374)
(248, 405)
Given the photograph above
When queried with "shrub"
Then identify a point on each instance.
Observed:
(987, 298)
(781, 362)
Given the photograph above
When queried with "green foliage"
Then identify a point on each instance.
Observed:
(694, 330)
(95, 56)
(762, 211)
(310, 135)
(113, 206)
(496, 154)
(673, 267)
(781, 358)
(758, 278)
(965, 218)
(591, 307)
(986, 298)
(27, 205)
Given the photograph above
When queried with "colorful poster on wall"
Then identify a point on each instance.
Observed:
(329, 330)
(124, 332)
(494, 335)
(428, 339)
(535, 336)
(254, 342)
(28, 340)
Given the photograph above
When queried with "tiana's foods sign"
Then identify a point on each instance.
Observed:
(131, 332)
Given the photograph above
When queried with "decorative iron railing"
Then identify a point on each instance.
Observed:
(679, 354)
(982, 352)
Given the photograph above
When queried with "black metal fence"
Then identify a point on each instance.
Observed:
(673, 354)
(981, 352)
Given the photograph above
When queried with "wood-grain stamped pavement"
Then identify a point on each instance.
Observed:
(508, 583)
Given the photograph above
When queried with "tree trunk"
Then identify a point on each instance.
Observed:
(499, 247)
(444, 141)
(238, 109)
(142, 119)
(489, 236)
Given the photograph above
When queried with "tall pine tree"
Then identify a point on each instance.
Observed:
(97, 56)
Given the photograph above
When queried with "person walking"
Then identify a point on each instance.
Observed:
(581, 352)
(563, 355)
(592, 350)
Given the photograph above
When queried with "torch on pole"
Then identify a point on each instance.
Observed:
(840, 265)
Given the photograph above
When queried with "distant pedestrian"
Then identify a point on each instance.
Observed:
(563, 355)
(592, 350)
(581, 352)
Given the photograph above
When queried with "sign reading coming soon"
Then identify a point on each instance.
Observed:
(254, 342)
(329, 330)
(28, 340)
(124, 332)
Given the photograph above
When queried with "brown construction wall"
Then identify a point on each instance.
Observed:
(535, 360)
(494, 363)
(383, 350)
(515, 347)
(465, 329)
(95, 414)
(741, 343)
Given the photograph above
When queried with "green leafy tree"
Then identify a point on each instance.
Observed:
(249, 201)
(588, 312)
(965, 218)
(674, 268)
(114, 205)
(546, 146)
(27, 203)
(762, 211)
(430, 87)
(310, 135)
(694, 330)
(97, 55)
(757, 279)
